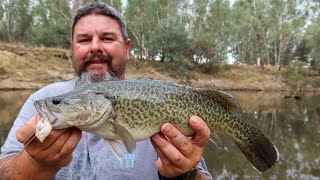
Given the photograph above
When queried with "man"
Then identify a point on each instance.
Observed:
(100, 49)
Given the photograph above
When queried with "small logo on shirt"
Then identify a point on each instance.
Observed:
(128, 161)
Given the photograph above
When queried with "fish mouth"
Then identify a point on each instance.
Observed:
(43, 110)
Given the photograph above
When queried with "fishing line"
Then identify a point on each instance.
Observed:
(28, 141)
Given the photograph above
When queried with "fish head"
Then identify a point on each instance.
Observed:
(75, 109)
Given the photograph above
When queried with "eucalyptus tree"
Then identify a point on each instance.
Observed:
(51, 26)
(218, 29)
(242, 43)
(117, 4)
(16, 19)
(289, 20)
(169, 41)
(140, 17)
(312, 37)
(197, 30)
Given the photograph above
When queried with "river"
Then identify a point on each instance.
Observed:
(293, 125)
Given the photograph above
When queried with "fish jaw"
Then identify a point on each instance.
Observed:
(49, 116)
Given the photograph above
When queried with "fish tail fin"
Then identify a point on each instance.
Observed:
(260, 151)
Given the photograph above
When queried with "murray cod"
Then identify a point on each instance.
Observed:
(126, 111)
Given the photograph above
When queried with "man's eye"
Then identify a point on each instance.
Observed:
(107, 39)
(83, 40)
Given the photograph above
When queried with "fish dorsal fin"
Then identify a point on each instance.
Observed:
(226, 100)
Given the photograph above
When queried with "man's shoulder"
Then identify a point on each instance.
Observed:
(56, 88)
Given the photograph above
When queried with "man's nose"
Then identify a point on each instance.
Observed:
(96, 45)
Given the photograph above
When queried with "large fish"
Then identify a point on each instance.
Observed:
(126, 111)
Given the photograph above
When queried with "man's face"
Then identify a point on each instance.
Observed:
(98, 47)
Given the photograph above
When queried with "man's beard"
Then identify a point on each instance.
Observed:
(85, 78)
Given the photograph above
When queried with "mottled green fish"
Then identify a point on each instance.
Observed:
(126, 111)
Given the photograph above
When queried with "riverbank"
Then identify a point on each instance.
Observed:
(32, 68)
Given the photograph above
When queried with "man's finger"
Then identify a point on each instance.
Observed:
(72, 142)
(202, 131)
(160, 154)
(57, 145)
(28, 129)
(180, 141)
(170, 152)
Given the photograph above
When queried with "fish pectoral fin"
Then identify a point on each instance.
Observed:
(125, 144)
(118, 148)
(125, 136)
(215, 139)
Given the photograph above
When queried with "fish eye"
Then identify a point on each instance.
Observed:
(56, 101)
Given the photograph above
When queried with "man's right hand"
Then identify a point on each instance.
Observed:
(56, 150)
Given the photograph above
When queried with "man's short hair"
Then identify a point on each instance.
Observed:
(101, 9)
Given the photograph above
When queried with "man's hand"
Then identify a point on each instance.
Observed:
(56, 150)
(178, 153)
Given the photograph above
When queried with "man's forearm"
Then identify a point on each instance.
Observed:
(24, 167)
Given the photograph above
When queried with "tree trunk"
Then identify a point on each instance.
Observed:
(259, 51)
(163, 56)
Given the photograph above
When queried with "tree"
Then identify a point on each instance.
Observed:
(302, 51)
(312, 37)
(218, 26)
(52, 24)
(17, 19)
(288, 24)
(169, 41)
(139, 19)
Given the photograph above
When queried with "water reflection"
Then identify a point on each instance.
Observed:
(293, 125)
(10, 104)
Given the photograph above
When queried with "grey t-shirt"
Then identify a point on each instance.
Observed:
(92, 159)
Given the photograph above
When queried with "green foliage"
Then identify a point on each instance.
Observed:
(302, 51)
(169, 41)
(214, 68)
(312, 37)
(16, 19)
(271, 32)
(53, 26)
(178, 69)
(141, 19)
(117, 4)
(295, 76)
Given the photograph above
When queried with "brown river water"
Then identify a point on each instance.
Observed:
(293, 125)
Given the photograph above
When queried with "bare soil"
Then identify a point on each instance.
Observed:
(32, 68)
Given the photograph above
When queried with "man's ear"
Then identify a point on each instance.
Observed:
(128, 47)
(70, 54)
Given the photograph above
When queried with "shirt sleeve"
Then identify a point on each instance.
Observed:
(203, 168)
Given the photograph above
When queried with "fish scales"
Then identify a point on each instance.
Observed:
(131, 110)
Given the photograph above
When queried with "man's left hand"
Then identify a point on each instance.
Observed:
(178, 153)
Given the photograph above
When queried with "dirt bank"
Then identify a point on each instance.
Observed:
(32, 68)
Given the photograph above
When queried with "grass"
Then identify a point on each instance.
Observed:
(294, 76)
